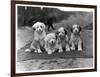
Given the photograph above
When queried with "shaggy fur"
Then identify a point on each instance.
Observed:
(39, 35)
(76, 40)
(50, 43)
(63, 39)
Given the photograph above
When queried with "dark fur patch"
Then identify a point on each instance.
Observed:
(80, 29)
(56, 34)
(71, 30)
(65, 31)
(33, 28)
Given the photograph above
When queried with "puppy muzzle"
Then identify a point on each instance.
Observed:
(40, 31)
(61, 35)
(76, 30)
(52, 42)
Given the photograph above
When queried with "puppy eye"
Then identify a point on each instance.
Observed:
(41, 26)
(63, 32)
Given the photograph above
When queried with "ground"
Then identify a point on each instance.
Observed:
(34, 61)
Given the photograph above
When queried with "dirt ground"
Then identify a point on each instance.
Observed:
(52, 64)
(33, 61)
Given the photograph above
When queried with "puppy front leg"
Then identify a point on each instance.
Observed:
(32, 48)
(49, 52)
(46, 46)
(39, 50)
(67, 47)
(72, 46)
(60, 48)
(80, 46)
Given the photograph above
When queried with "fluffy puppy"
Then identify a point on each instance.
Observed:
(39, 35)
(50, 43)
(76, 40)
(62, 39)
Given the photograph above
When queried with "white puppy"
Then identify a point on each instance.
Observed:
(63, 39)
(39, 35)
(76, 40)
(50, 43)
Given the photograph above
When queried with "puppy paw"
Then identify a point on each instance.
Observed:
(46, 49)
(49, 53)
(60, 50)
(39, 51)
(28, 50)
(72, 48)
(79, 49)
(35, 51)
(67, 49)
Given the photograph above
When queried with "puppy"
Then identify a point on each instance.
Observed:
(50, 43)
(62, 39)
(39, 35)
(76, 40)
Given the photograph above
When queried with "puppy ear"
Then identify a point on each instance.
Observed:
(65, 31)
(80, 29)
(56, 37)
(33, 28)
(56, 34)
(71, 29)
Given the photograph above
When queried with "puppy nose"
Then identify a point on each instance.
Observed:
(40, 30)
(51, 41)
(75, 30)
